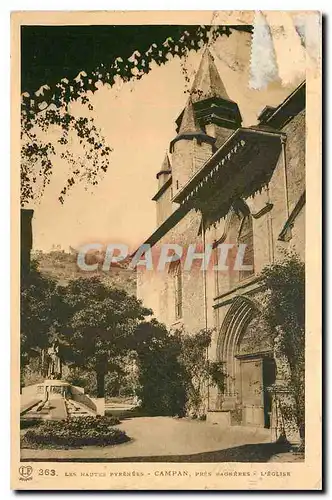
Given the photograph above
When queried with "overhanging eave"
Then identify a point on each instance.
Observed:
(237, 169)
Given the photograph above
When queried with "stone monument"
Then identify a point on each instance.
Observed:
(54, 370)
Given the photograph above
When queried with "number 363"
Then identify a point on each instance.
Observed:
(46, 472)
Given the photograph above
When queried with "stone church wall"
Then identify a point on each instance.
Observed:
(269, 216)
(156, 288)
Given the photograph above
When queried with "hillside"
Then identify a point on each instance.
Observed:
(62, 266)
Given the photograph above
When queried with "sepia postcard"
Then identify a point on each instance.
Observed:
(166, 250)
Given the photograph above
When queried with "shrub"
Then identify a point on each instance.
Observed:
(174, 374)
(193, 358)
(76, 432)
(83, 378)
(161, 378)
(26, 423)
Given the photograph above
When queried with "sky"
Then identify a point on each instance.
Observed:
(138, 121)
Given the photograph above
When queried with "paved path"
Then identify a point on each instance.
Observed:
(171, 439)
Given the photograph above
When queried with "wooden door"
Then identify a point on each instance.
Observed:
(252, 393)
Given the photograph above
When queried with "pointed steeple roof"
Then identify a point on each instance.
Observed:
(166, 165)
(207, 82)
(188, 122)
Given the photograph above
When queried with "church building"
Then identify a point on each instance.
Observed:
(219, 183)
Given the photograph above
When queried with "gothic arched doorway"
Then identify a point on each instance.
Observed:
(245, 349)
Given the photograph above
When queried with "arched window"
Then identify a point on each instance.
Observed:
(237, 229)
(245, 237)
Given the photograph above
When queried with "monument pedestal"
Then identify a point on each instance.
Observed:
(53, 398)
(56, 388)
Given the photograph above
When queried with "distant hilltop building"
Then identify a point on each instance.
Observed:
(224, 183)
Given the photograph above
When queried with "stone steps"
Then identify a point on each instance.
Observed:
(75, 409)
(57, 409)
(121, 411)
(30, 406)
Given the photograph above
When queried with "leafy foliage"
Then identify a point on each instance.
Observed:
(194, 359)
(286, 282)
(38, 153)
(200, 371)
(98, 325)
(174, 373)
(37, 312)
(83, 378)
(285, 308)
(26, 423)
(76, 432)
(115, 382)
(161, 386)
(89, 48)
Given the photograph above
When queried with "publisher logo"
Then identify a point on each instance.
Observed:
(25, 472)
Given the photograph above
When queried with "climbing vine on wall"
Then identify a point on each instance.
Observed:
(284, 310)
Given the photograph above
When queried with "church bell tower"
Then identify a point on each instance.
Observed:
(190, 148)
(206, 122)
(215, 112)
